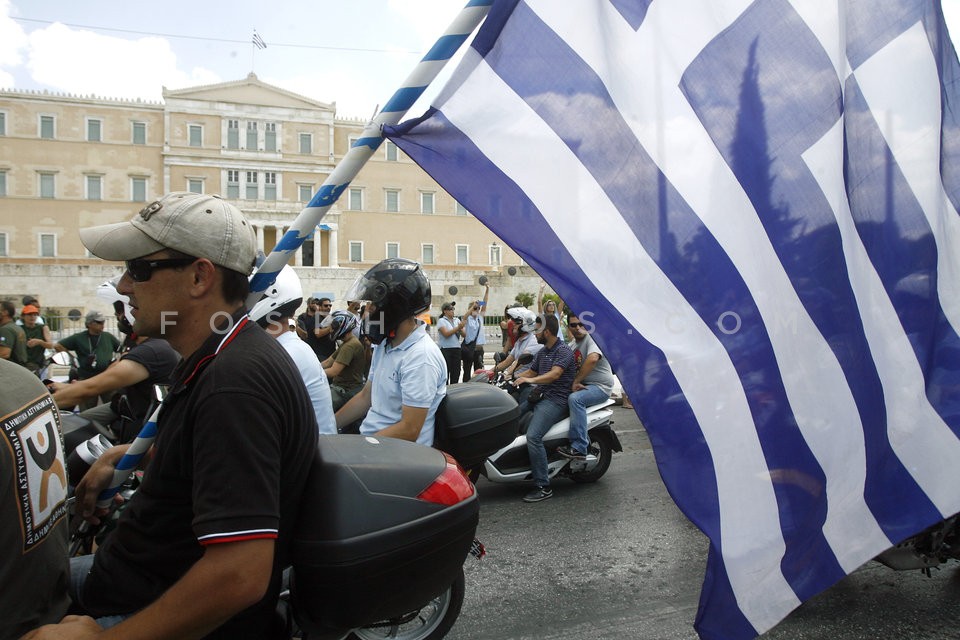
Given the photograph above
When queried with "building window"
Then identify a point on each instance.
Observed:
(306, 143)
(426, 202)
(393, 200)
(461, 210)
(355, 202)
(3, 123)
(270, 136)
(93, 130)
(393, 249)
(356, 251)
(48, 245)
(270, 185)
(393, 154)
(138, 189)
(426, 254)
(306, 253)
(48, 185)
(195, 185)
(463, 254)
(233, 134)
(233, 184)
(47, 127)
(196, 135)
(251, 136)
(94, 186)
(305, 192)
(4, 252)
(139, 132)
(3, 184)
(494, 255)
(251, 191)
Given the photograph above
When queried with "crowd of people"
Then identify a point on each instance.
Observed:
(199, 549)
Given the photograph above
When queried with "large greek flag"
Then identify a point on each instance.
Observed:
(757, 202)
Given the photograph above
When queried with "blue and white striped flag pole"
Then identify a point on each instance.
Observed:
(413, 87)
(130, 460)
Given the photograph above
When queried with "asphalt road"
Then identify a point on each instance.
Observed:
(617, 559)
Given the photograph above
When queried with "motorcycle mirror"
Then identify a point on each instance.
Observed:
(62, 358)
(526, 358)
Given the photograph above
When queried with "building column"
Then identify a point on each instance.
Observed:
(259, 228)
(332, 246)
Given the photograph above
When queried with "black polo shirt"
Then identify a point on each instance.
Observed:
(236, 437)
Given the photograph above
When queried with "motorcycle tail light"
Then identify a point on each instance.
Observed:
(450, 487)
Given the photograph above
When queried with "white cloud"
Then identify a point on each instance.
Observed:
(12, 41)
(83, 62)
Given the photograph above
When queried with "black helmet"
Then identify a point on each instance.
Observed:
(398, 288)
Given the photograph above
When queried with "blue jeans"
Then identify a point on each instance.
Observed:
(79, 569)
(578, 403)
(545, 415)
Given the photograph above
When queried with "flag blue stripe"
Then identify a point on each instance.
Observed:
(749, 112)
(630, 178)
(633, 11)
(901, 246)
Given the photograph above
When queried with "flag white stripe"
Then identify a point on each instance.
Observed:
(504, 133)
(903, 79)
(823, 404)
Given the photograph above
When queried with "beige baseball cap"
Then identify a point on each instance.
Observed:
(199, 225)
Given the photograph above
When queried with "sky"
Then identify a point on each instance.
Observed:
(352, 52)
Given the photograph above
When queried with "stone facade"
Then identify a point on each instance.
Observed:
(68, 162)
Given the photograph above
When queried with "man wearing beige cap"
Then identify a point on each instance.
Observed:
(199, 549)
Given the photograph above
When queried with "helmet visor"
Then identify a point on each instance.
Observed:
(368, 290)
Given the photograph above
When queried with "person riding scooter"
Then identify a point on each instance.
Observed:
(273, 312)
(524, 322)
(408, 374)
(150, 362)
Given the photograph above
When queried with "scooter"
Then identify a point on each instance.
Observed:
(379, 550)
(926, 550)
(480, 425)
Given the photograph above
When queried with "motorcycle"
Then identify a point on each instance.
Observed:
(480, 425)
(927, 550)
(382, 553)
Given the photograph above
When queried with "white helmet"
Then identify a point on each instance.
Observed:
(525, 319)
(108, 291)
(282, 298)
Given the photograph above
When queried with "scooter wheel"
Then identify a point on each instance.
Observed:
(601, 445)
(431, 622)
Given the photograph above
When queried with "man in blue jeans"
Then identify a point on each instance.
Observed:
(592, 385)
(552, 370)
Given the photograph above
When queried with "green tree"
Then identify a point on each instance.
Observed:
(526, 299)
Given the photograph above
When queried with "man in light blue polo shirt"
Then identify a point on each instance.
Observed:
(408, 375)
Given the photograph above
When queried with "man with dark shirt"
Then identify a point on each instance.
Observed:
(151, 361)
(553, 370)
(313, 328)
(199, 550)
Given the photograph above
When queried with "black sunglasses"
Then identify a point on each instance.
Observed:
(142, 270)
(574, 324)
